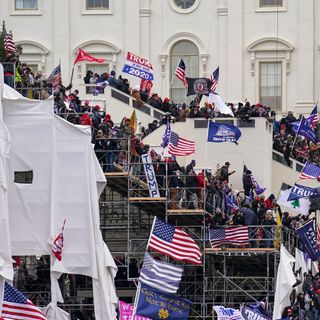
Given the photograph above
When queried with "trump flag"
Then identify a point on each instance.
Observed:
(223, 133)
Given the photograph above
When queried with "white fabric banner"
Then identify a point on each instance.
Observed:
(54, 313)
(285, 281)
(219, 104)
(300, 263)
(150, 175)
(65, 184)
(6, 267)
(296, 206)
(227, 313)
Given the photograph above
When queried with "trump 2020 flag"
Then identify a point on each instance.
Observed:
(299, 191)
(158, 305)
(173, 242)
(223, 133)
(308, 239)
(160, 275)
(227, 313)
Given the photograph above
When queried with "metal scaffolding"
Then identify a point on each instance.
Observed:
(228, 276)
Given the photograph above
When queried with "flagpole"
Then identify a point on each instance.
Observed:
(72, 72)
(296, 137)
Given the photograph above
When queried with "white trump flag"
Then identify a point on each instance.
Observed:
(285, 281)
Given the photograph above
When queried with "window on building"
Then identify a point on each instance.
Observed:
(270, 84)
(270, 3)
(190, 54)
(98, 68)
(184, 4)
(97, 4)
(25, 177)
(26, 4)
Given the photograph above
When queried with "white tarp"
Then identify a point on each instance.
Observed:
(6, 269)
(66, 183)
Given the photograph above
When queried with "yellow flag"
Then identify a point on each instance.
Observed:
(278, 235)
(133, 121)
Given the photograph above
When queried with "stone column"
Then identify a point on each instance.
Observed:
(144, 14)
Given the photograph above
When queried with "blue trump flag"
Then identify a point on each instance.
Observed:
(308, 239)
(223, 133)
(298, 191)
(306, 131)
(157, 305)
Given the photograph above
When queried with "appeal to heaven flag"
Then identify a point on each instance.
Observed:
(84, 56)
(160, 275)
(158, 305)
(17, 306)
(298, 206)
(173, 242)
(223, 133)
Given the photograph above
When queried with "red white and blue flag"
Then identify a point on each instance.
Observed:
(9, 45)
(235, 235)
(214, 77)
(179, 146)
(173, 242)
(309, 171)
(55, 77)
(180, 72)
(57, 244)
(17, 306)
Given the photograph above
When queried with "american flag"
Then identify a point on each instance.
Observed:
(179, 146)
(9, 45)
(57, 244)
(314, 117)
(173, 242)
(235, 235)
(17, 306)
(160, 275)
(309, 171)
(214, 77)
(55, 77)
(180, 72)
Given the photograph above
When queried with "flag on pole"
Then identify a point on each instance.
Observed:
(180, 72)
(17, 306)
(84, 56)
(285, 280)
(133, 121)
(9, 45)
(55, 77)
(214, 77)
(173, 242)
(57, 244)
(146, 85)
(179, 146)
(167, 134)
(259, 190)
(306, 131)
(160, 275)
(312, 119)
(309, 171)
(235, 235)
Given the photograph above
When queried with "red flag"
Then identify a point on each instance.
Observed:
(57, 244)
(146, 85)
(83, 56)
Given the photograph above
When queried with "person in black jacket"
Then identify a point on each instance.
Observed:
(191, 184)
(247, 182)
(224, 172)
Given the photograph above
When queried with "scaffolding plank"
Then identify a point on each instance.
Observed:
(227, 250)
(116, 174)
(186, 212)
(146, 199)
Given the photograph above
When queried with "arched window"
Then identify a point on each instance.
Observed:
(190, 54)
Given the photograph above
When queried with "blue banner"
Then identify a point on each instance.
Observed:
(298, 191)
(305, 130)
(249, 313)
(223, 133)
(157, 305)
(308, 239)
